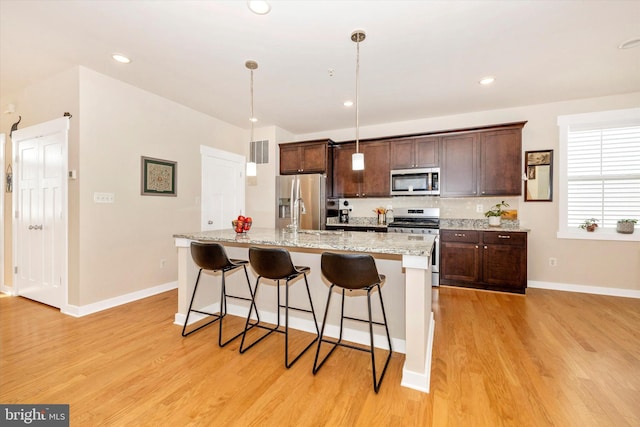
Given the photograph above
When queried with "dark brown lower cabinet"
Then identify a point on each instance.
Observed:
(493, 260)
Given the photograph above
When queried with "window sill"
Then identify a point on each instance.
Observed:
(599, 234)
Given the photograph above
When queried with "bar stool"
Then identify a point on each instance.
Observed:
(353, 272)
(213, 257)
(276, 264)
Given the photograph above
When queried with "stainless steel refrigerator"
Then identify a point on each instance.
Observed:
(301, 201)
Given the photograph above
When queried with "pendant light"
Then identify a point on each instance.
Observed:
(357, 158)
(251, 164)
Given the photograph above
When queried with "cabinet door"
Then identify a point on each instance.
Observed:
(402, 153)
(503, 266)
(303, 157)
(375, 182)
(314, 158)
(290, 160)
(501, 160)
(458, 165)
(426, 152)
(504, 260)
(346, 182)
(459, 262)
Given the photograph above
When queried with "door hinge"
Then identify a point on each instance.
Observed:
(15, 270)
(17, 215)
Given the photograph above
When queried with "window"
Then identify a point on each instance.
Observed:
(599, 172)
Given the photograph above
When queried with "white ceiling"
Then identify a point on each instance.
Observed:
(420, 58)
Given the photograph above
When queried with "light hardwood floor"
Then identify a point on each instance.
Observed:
(547, 358)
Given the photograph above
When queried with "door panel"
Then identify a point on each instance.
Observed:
(40, 223)
(223, 182)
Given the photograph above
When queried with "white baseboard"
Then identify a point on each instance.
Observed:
(303, 324)
(79, 311)
(597, 290)
(7, 290)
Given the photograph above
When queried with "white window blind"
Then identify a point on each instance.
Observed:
(603, 175)
(599, 164)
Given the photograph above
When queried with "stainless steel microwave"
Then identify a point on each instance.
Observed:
(415, 182)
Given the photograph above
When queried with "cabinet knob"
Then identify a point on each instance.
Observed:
(477, 246)
(485, 246)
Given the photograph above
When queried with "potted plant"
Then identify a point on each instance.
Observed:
(589, 224)
(626, 226)
(495, 213)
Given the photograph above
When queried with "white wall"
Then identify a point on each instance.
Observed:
(260, 192)
(592, 263)
(122, 244)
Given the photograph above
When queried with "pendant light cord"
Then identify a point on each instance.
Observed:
(252, 118)
(357, 97)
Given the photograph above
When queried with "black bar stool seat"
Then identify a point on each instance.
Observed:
(213, 257)
(276, 264)
(351, 272)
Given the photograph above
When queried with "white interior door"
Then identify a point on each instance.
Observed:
(223, 183)
(3, 168)
(40, 226)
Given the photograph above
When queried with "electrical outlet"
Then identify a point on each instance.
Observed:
(553, 262)
(479, 208)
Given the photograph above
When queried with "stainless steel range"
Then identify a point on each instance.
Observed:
(420, 221)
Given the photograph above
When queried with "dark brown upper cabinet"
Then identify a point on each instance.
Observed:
(373, 181)
(304, 157)
(409, 153)
(485, 163)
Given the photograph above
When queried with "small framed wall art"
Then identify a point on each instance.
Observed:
(158, 177)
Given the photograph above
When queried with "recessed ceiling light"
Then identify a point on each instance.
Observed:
(121, 58)
(259, 7)
(629, 44)
(253, 119)
(487, 80)
(348, 103)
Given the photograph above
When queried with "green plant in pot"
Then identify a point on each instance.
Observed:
(589, 224)
(626, 226)
(495, 213)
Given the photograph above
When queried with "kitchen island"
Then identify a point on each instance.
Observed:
(404, 259)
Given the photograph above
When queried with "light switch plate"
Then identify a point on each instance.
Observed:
(103, 197)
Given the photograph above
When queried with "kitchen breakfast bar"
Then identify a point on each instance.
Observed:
(404, 260)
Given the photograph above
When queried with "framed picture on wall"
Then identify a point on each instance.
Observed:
(158, 177)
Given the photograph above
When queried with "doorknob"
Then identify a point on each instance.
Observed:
(209, 222)
(31, 227)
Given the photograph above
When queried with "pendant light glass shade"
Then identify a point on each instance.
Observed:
(357, 159)
(252, 167)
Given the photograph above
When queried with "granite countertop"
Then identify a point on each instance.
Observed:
(355, 224)
(351, 241)
(358, 221)
(480, 225)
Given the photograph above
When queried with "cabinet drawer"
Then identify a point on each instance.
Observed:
(469, 236)
(504, 238)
